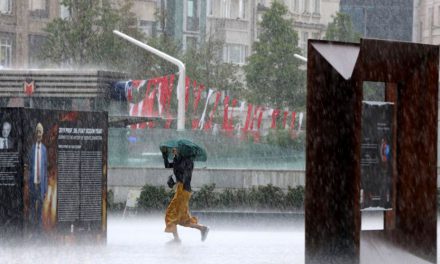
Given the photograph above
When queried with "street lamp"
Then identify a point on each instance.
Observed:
(181, 81)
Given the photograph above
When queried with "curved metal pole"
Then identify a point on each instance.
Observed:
(181, 81)
(300, 57)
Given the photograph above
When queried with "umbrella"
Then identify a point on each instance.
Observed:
(185, 147)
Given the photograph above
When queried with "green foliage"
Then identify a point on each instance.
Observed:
(154, 198)
(204, 198)
(204, 64)
(295, 197)
(341, 29)
(267, 197)
(86, 38)
(272, 73)
(157, 66)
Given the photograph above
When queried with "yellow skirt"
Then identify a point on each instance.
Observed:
(177, 212)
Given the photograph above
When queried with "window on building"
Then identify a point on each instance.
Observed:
(234, 53)
(146, 26)
(242, 8)
(192, 15)
(5, 51)
(39, 8)
(306, 5)
(233, 8)
(5, 6)
(317, 9)
(296, 6)
(36, 42)
(226, 8)
(209, 8)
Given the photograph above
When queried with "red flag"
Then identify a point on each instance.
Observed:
(292, 123)
(167, 88)
(260, 118)
(275, 115)
(128, 91)
(187, 81)
(254, 117)
(248, 118)
(225, 112)
(197, 94)
(285, 118)
(231, 118)
(169, 94)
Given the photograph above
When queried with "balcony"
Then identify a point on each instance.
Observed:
(229, 24)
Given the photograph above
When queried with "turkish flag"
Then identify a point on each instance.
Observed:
(29, 87)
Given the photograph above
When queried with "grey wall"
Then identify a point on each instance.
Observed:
(121, 180)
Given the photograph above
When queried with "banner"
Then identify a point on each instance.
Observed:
(57, 186)
(376, 158)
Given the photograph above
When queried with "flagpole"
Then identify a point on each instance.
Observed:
(181, 81)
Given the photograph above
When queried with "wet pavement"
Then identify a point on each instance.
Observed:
(234, 238)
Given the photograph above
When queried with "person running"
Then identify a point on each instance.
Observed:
(177, 212)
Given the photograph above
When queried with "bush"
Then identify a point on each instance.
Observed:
(295, 197)
(271, 196)
(204, 198)
(154, 198)
(261, 197)
(227, 199)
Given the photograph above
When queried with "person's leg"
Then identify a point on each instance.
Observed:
(176, 236)
(203, 230)
(172, 217)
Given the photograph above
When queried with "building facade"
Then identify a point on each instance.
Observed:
(185, 20)
(426, 25)
(391, 20)
(310, 17)
(233, 22)
(21, 30)
(145, 11)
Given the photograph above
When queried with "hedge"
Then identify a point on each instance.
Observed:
(267, 197)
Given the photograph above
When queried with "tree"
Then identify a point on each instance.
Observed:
(204, 64)
(86, 37)
(272, 73)
(341, 29)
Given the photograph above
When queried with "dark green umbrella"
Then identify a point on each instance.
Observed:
(185, 147)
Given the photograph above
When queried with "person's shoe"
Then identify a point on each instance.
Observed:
(204, 233)
(175, 241)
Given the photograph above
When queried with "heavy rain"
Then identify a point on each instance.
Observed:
(219, 131)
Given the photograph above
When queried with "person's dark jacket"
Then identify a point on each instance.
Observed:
(182, 168)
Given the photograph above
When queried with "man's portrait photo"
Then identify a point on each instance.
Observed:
(38, 180)
(6, 142)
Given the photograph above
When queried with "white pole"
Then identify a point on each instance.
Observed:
(181, 81)
(300, 57)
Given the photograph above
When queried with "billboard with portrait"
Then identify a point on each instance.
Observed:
(61, 172)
